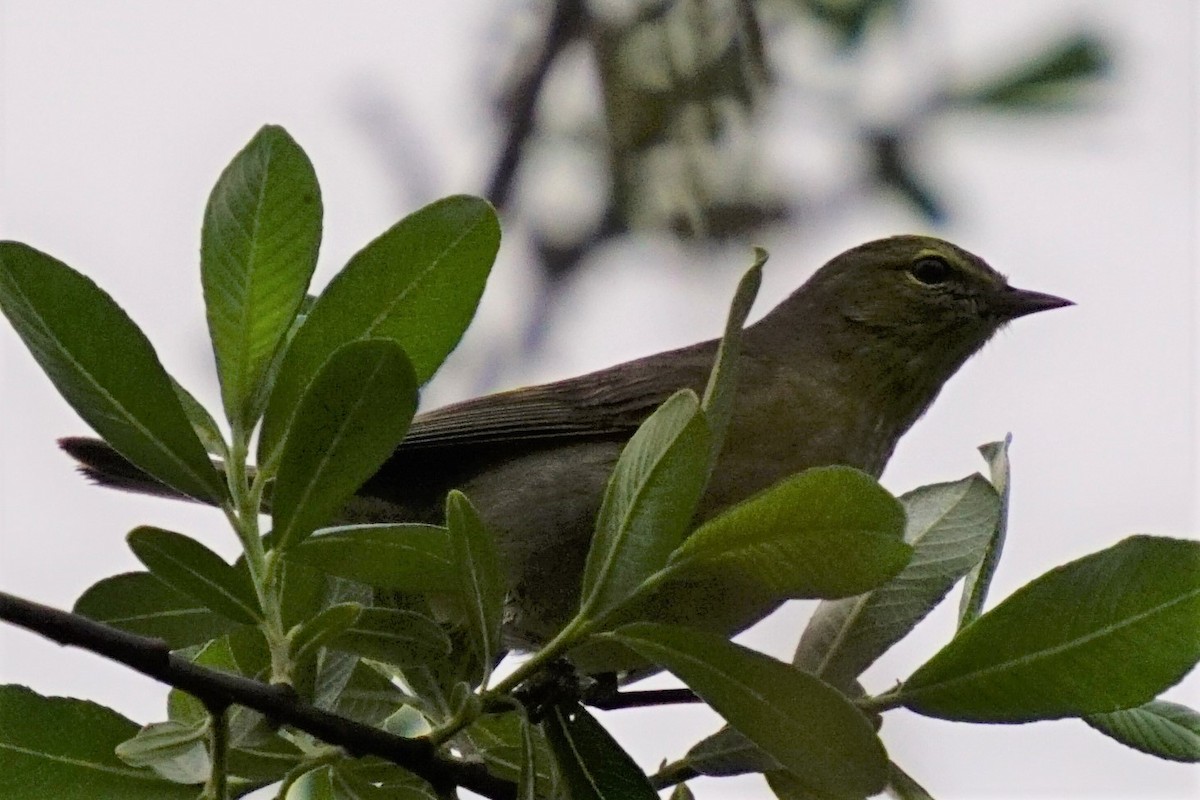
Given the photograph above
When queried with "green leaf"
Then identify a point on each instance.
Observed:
(1052, 78)
(480, 576)
(902, 786)
(417, 284)
(104, 366)
(140, 603)
(682, 792)
(349, 785)
(405, 556)
(500, 740)
(317, 632)
(394, 637)
(176, 751)
(527, 782)
(949, 526)
(1167, 730)
(728, 752)
(57, 748)
(1106, 632)
(826, 532)
(979, 579)
(316, 784)
(205, 427)
(366, 696)
(189, 567)
(258, 250)
(809, 727)
(649, 503)
(243, 652)
(592, 764)
(722, 382)
(350, 419)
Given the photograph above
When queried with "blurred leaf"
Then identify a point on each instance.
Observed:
(850, 19)
(1106, 632)
(188, 566)
(897, 169)
(394, 637)
(258, 250)
(949, 526)
(1166, 730)
(809, 727)
(104, 366)
(722, 383)
(979, 579)
(57, 748)
(649, 503)
(826, 532)
(417, 284)
(349, 421)
(481, 578)
(728, 752)
(311, 636)
(1049, 79)
(527, 781)
(591, 763)
(176, 751)
(405, 556)
(140, 603)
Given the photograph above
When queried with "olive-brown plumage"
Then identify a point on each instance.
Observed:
(835, 374)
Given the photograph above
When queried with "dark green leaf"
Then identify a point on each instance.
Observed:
(979, 579)
(1051, 78)
(206, 428)
(827, 532)
(527, 782)
(140, 603)
(728, 752)
(902, 786)
(591, 763)
(348, 785)
(682, 792)
(57, 748)
(722, 383)
(480, 576)
(104, 366)
(318, 631)
(406, 556)
(394, 637)
(499, 739)
(949, 526)
(649, 503)
(258, 249)
(176, 751)
(366, 696)
(243, 652)
(809, 727)
(1106, 632)
(349, 421)
(1166, 730)
(417, 284)
(189, 567)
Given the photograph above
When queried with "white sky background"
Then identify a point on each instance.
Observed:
(117, 118)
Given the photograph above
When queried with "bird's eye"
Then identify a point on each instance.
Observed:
(931, 270)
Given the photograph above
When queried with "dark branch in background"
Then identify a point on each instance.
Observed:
(566, 23)
(218, 690)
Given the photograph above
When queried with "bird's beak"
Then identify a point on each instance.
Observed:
(1014, 302)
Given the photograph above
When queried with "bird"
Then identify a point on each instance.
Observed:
(833, 375)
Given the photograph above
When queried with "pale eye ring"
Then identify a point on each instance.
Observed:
(931, 270)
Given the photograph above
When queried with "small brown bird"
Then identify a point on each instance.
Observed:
(833, 375)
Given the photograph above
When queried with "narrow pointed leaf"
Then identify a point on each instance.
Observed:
(949, 526)
(321, 629)
(351, 418)
(649, 503)
(1106, 632)
(902, 786)
(827, 532)
(258, 250)
(401, 638)
(191, 568)
(418, 284)
(140, 603)
(979, 579)
(103, 365)
(408, 556)
(58, 748)
(1050, 79)
(728, 752)
(1166, 730)
(809, 727)
(722, 383)
(591, 763)
(205, 427)
(480, 576)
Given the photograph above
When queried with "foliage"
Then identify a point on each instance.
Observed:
(346, 618)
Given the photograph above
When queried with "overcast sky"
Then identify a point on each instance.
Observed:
(117, 118)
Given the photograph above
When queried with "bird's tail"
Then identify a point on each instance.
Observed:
(99, 462)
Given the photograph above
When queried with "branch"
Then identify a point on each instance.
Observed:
(218, 689)
(610, 701)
